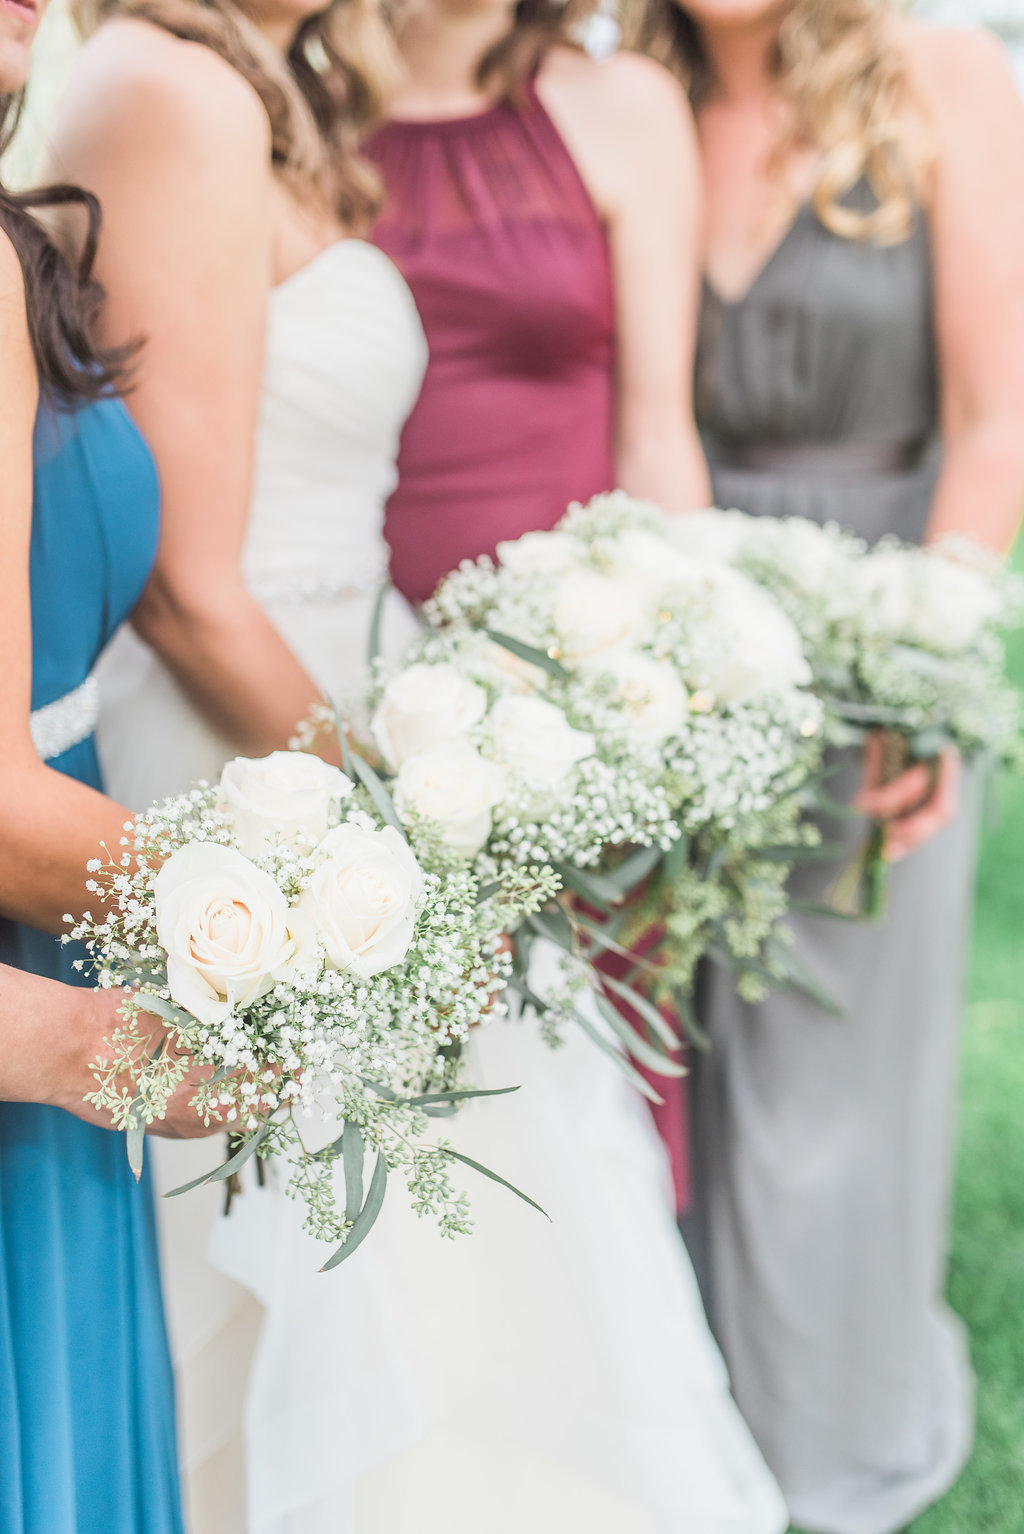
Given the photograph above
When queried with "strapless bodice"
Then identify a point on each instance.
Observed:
(345, 356)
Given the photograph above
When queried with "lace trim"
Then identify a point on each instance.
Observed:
(58, 726)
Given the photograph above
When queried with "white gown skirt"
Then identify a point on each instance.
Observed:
(544, 1375)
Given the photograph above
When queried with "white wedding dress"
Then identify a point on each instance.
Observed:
(556, 1377)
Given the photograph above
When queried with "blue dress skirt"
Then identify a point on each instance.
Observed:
(86, 1404)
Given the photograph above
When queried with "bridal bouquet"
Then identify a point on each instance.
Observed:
(323, 965)
(631, 719)
(901, 639)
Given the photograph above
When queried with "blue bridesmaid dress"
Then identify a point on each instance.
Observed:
(86, 1401)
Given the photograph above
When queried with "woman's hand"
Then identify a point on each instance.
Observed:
(913, 806)
(50, 1036)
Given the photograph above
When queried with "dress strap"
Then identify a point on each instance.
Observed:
(58, 726)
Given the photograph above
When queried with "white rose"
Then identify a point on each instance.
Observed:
(884, 587)
(650, 694)
(954, 604)
(278, 797)
(454, 786)
(424, 706)
(926, 599)
(595, 614)
(226, 927)
(714, 534)
(761, 650)
(541, 553)
(361, 901)
(536, 740)
(648, 562)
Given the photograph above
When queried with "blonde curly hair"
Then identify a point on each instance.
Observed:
(841, 71)
(321, 98)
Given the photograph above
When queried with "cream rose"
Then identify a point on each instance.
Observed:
(760, 651)
(536, 741)
(454, 786)
(422, 707)
(541, 553)
(595, 614)
(650, 694)
(227, 929)
(275, 798)
(361, 901)
(647, 562)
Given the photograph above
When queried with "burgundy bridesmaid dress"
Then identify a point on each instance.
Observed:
(507, 258)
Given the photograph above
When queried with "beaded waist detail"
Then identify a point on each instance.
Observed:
(58, 726)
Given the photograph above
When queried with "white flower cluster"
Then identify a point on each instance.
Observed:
(898, 636)
(601, 689)
(321, 968)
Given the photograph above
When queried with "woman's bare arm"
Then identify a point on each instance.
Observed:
(177, 147)
(977, 221)
(628, 127)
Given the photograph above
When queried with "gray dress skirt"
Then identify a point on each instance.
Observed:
(823, 1148)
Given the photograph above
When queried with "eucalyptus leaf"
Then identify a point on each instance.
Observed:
(631, 1074)
(676, 859)
(486, 1172)
(237, 1161)
(788, 962)
(594, 888)
(381, 1090)
(488, 891)
(530, 653)
(365, 1219)
(522, 990)
(460, 1096)
(378, 793)
(157, 1006)
(646, 1008)
(604, 941)
(376, 620)
(640, 863)
(346, 750)
(638, 1047)
(135, 1136)
(352, 1150)
(554, 924)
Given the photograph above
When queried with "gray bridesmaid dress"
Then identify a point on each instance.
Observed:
(823, 1147)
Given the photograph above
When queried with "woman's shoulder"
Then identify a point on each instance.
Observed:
(134, 76)
(956, 70)
(626, 94)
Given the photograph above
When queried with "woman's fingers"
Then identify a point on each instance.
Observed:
(905, 834)
(904, 794)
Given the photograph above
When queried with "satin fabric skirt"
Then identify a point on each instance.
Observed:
(823, 1168)
(552, 1375)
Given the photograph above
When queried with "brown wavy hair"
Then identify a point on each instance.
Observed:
(840, 69)
(62, 302)
(321, 99)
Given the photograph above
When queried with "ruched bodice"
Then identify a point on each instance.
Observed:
(344, 361)
(816, 391)
(508, 261)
